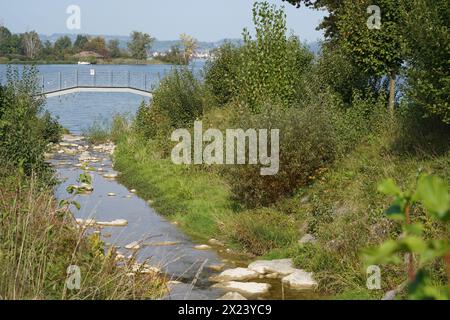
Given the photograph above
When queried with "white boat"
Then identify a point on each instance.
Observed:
(83, 62)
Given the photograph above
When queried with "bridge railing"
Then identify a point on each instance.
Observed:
(57, 81)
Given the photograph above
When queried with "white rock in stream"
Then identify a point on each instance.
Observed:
(232, 296)
(247, 289)
(133, 246)
(110, 175)
(237, 274)
(111, 194)
(115, 223)
(202, 247)
(86, 223)
(300, 280)
(283, 267)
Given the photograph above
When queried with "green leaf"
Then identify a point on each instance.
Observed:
(414, 244)
(414, 229)
(389, 187)
(433, 193)
(385, 253)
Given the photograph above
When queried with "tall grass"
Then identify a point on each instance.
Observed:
(39, 241)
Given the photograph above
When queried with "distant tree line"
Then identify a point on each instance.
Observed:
(29, 46)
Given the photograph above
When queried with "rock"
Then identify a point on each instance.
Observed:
(215, 242)
(216, 267)
(85, 156)
(308, 238)
(247, 289)
(272, 275)
(71, 138)
(237, 274)
(86, 223)
(85, 187)
(133, 191)
(133, 246)
(144, 268)
(110, 175)
(120, 257)
(282, 266)
(232, 296)
(202, 247)
(115, 223)
(150, 202)
(304, 200)
(300, 280)
(111, 194)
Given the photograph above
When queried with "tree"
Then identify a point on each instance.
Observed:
(190, 45)
(31, 43)
(5, 41)
(139, 45)
(63, 45)
(332, 6)
(98, 45)
(114, 49)
(426, 24)
(379, 52)
(80, 42)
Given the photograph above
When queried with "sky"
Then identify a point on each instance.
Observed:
(206, 20)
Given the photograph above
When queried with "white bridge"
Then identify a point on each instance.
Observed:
(63, 83)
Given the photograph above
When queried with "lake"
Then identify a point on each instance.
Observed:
(77, 112)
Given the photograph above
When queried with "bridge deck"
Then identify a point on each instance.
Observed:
(97, 80)
(62, 92)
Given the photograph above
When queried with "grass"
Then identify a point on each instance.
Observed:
(342, 208)
(199, 202)
(39, 241)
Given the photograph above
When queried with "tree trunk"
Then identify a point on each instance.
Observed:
(392, 92)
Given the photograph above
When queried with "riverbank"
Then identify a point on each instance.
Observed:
(325, 221)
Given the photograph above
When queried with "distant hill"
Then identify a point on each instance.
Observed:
(164, 45)
(158, 45)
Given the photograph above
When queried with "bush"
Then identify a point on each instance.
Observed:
(272, 64)
(24, 132)
(262, 230)
(221, 73)
(305, 151)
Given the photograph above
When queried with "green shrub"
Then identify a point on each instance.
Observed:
(262, 230)
(272, 63)
(307, 147)
(221, 72)
(24, 132)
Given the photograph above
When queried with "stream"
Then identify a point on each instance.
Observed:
(162, 244)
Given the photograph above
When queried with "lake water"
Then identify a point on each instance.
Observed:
(79, 111)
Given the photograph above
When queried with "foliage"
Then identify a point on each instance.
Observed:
(190, 45)
(24, 132)
(222, 71)
(433, 194)
(139, 45)
(429, 56)
(272, 64)
(38, 242)
(260, 231)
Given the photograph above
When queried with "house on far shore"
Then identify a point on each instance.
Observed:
(88, 55)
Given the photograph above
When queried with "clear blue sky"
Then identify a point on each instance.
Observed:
(207, 20)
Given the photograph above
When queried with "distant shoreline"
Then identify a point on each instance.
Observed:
(113, 62)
